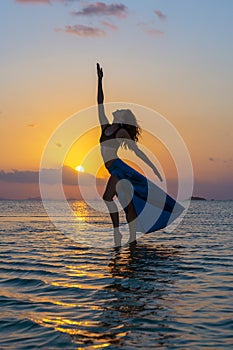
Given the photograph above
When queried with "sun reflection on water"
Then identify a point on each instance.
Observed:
(171, 290)
(80, 330)
(80, 210)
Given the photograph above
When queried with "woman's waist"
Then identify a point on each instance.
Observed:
(108, 163)
(108, 154)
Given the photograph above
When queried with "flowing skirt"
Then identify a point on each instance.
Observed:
(154, 208)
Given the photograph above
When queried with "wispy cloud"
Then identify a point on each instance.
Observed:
(50, 176)
(58, 144)
(102, 9)
(32, 125)
(149, 30)
(228, 160)
(109, 25)
(45, 1)
(160, 15)
(83, 31)
(154, 31)
(18, 176)
(34, 1)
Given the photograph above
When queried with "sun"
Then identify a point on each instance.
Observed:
(80, 168)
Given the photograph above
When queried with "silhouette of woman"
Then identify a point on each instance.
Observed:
(124, 131)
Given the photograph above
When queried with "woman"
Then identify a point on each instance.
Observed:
(124, 131)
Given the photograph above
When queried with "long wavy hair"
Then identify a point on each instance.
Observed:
(132, 127)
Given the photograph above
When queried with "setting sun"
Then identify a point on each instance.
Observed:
(80, 168)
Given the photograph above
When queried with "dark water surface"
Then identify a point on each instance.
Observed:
(170, 291)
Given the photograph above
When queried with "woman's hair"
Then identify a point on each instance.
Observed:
(131, 126)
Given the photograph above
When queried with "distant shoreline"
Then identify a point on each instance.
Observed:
(193, 198)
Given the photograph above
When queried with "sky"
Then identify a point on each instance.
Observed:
(172, 56)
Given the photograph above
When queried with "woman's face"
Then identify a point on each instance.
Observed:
(118, 116)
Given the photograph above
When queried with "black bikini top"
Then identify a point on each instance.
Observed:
(112, 136)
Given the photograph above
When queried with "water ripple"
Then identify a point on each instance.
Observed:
(171, 290)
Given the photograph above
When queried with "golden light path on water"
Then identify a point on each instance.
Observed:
(169, 289)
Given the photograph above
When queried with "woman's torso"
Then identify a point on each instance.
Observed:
(109, 142)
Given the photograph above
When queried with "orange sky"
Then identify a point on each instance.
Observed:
(183, 70)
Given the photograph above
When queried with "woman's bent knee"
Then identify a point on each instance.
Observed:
(107, 197)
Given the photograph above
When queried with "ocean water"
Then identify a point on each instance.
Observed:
(169, 291)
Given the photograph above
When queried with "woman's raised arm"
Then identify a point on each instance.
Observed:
(100, 98)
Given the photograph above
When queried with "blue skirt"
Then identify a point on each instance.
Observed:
(154, 208)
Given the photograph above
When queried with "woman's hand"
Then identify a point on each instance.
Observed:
(99, 71)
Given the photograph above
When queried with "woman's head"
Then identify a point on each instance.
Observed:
(128, 119)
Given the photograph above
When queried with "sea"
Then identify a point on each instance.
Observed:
(170, 290)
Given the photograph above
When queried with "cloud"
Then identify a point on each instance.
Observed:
(45, 1)
(24, 183)
(50, 176)
(223, 160)
(72, 177)
(154, 31)
(109, 25)
(18, 176)
(32, 125)
(148, 30)
(83, 31)
(160, 15)
(102, 9)
(34, 1)
(58, 144)
(19, 184)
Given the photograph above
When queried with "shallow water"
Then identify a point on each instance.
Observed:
(170, 291)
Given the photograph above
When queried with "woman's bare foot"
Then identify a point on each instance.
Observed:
(117, 237)
(132, 244)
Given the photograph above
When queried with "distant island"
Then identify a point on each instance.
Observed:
(195, 198)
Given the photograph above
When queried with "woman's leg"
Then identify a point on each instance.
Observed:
(131, 217)
(108, 196)
(126, 187)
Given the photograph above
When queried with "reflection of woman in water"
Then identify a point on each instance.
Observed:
(124, 131)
